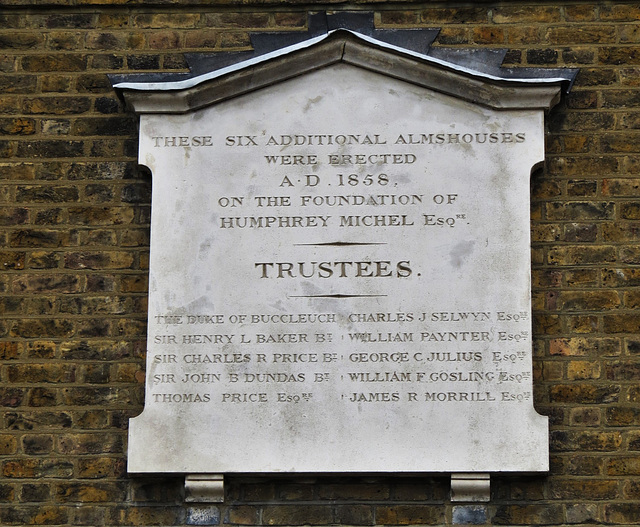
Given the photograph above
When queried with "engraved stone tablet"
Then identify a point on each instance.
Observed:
(340, 276)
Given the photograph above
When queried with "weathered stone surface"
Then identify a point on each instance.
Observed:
(322, 275)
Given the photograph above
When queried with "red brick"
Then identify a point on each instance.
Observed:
(584, 393)
(8, 444)
(488, 35)
(297, 515)
(516, 14)
(165, 20)
(528, 514)
(623, 466)
(236, 20)
(34, 515)
(585, 490)
(580, 13)
(40, 373)
(101, 467)
(621, 513)
(408, 515)
(567, 441)
(242, 515)
(165, 40)
(37, 468)
(354, 491)
(584, 416)
(620, 12)
(622, 323)
(89, 493)
(579, 465)
(622, 416)
(583, 370)
(50, 63)
(581, 35)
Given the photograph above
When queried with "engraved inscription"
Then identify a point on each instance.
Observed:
(490, 367)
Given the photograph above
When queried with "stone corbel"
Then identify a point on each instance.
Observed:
(470, 487)
(204, 488)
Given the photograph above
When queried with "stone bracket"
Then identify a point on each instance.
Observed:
(204, 488)
(470, 487)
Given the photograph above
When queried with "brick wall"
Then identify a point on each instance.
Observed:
(74, 226)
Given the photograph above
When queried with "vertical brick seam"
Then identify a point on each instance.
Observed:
(74, 225)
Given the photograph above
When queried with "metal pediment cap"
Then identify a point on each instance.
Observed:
(475, 75)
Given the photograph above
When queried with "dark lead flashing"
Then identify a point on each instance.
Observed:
(418, 42)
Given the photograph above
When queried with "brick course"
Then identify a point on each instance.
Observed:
(74, 226)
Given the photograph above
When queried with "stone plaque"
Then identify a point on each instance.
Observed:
(340, 282)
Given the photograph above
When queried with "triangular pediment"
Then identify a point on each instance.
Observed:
(349, 47)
